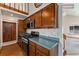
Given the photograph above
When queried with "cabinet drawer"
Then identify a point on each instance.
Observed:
(31, 43)
(43, 50)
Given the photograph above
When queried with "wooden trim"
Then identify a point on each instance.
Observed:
(28, 7)
(9, 22)
(64, 36)
(65, 52)
(56, 16)
(11, 8)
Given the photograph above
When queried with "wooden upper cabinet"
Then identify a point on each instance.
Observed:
(21, 26)
(49, 16)
(38, 20)
(32, 17)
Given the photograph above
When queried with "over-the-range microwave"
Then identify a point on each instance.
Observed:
(31, 24)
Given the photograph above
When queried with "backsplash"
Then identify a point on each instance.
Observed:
(45, 32)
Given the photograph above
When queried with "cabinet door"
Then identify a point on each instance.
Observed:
(32, 51)
(38, 20)
(38, 53)
(42, 49)
(6, 32)
(32, 17)
(48, 16)
(21, 26)
(13, 31)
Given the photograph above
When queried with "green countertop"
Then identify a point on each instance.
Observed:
(44, 41)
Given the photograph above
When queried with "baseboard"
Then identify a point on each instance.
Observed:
(9, 43)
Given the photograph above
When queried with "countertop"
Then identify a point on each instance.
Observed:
(44, 41)
(72, 35)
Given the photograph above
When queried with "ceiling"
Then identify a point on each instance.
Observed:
(8, 13)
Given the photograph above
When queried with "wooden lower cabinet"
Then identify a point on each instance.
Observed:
(39, 53)
(31, 50)
(37, 50)
(20, 41)
(42, 50)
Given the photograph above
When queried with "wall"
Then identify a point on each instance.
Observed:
(70, 17)
(70, 21)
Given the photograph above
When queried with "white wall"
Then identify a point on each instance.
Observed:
(70, 21)
(70, 17)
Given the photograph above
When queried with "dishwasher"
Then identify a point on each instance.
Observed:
(25, 46)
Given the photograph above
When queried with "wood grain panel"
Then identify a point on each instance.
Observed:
(38, 20)
(42, 49)
(13, 31)
(9, 31)
(21, 26)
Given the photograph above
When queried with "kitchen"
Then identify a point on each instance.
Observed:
(34, 32)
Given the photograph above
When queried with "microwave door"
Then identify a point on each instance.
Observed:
(32, 25)
(28, 25)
